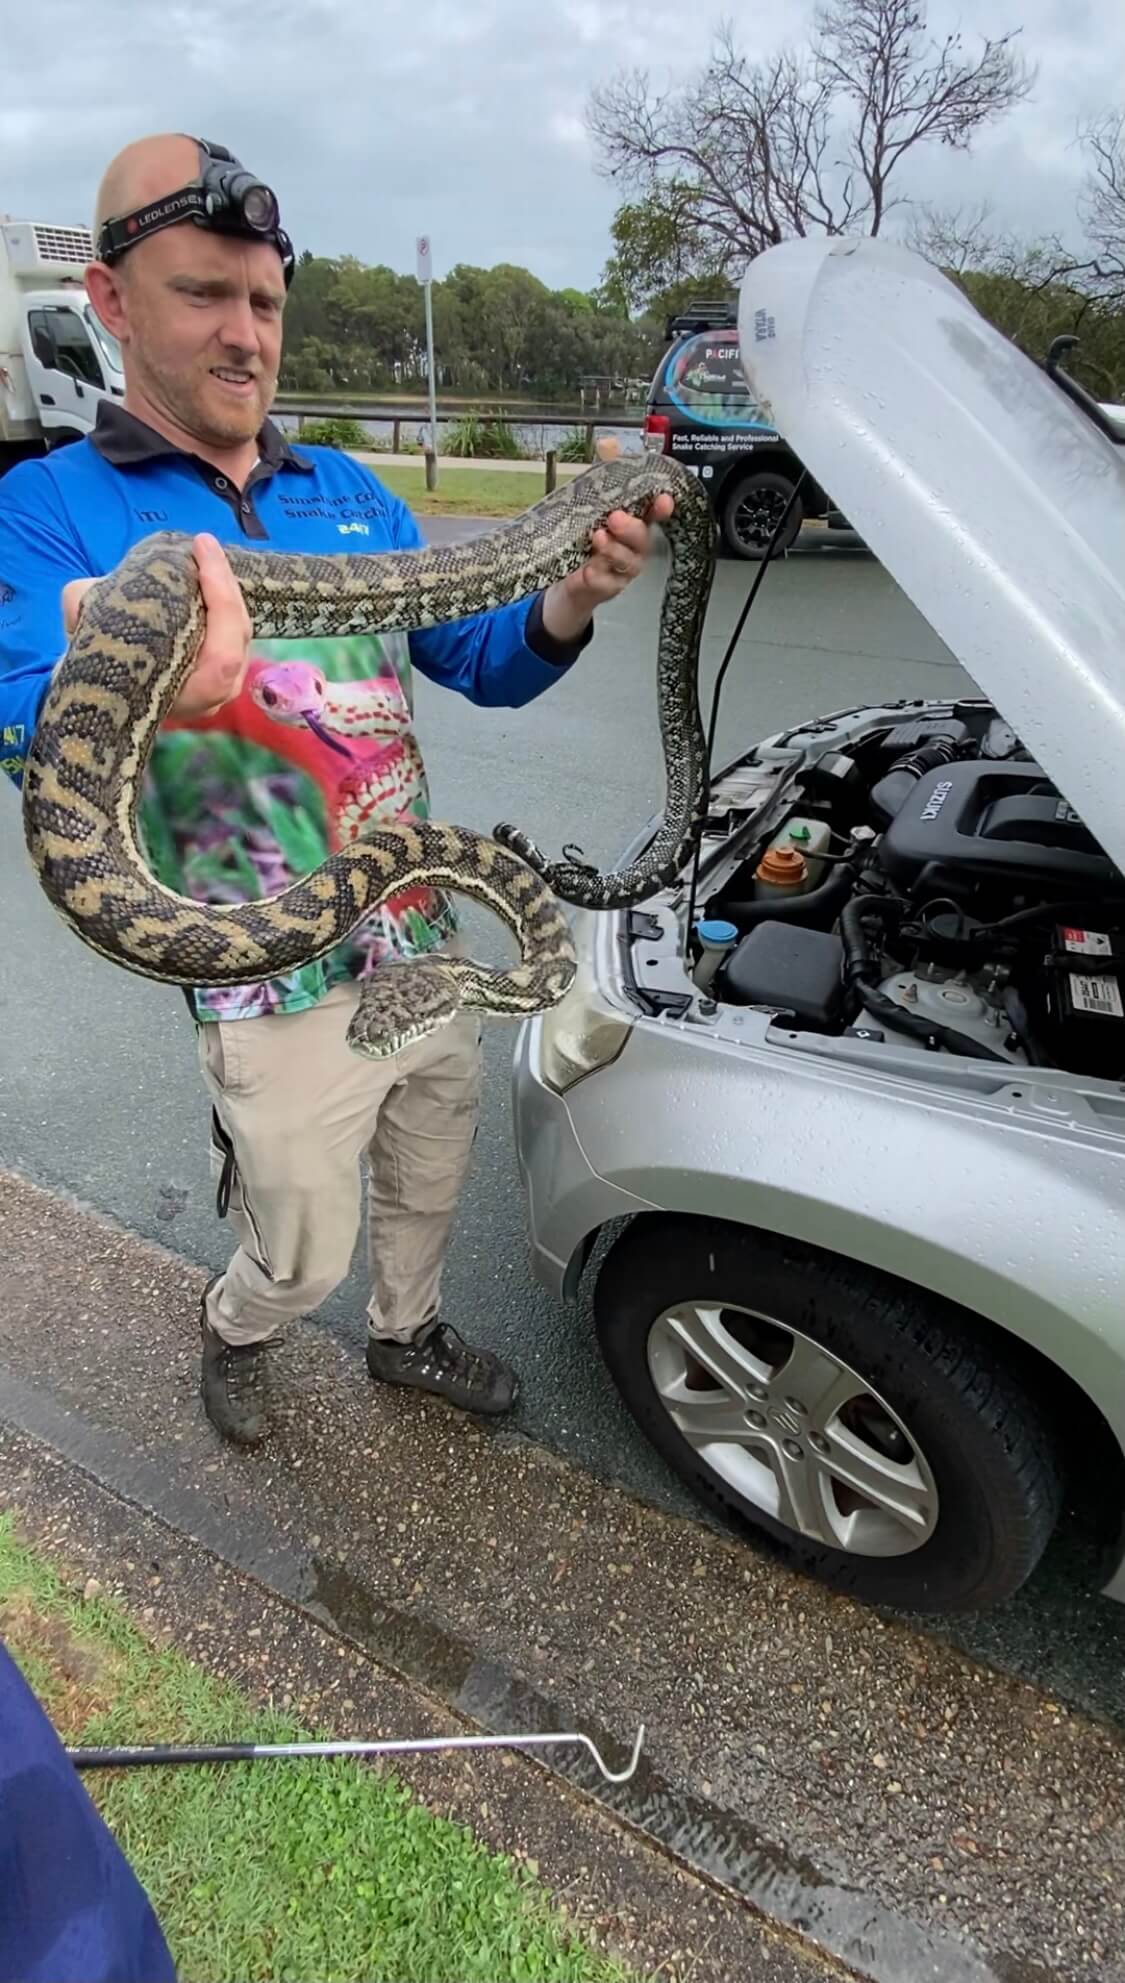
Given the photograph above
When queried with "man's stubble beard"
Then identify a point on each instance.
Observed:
(187, 407)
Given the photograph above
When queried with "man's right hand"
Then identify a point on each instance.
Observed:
(219, 671)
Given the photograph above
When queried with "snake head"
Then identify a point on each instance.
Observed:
(293, 692)
(403, 1001)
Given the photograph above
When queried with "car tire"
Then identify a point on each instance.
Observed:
(759, 500)
(978, 1464)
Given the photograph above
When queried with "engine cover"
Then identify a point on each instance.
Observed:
(994, 822)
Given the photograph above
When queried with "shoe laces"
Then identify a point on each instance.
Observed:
(452, 1353)
(244, 1368)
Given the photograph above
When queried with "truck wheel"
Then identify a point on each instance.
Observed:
(752, 510)
(855, 1421)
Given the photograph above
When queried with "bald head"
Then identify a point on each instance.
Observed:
(147, 170)
(196, 311)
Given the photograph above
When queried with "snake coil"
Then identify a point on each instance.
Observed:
(136, 643)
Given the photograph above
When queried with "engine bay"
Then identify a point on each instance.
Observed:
(926, 883)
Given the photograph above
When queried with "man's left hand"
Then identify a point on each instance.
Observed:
(619, 553)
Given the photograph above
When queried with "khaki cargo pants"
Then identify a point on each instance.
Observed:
(296, 1115)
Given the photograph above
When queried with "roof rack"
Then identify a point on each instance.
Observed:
(708, 314)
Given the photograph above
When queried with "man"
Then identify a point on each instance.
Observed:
(192, 284)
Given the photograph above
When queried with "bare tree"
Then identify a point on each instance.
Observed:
(1102, 206)
(952, 238)
(807, 142)
(963, 242)
(1030, 290)
(960, 243)
(904, 92)
(744, 145)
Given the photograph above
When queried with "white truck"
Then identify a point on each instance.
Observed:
(57, 361)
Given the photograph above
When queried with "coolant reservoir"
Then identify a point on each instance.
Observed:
(781, 871)
(809, 837)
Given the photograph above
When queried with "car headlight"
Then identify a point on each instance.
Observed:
(584, 1031)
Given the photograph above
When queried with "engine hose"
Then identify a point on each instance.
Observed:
(857, 966)
(817, 908)
(1052, 912)
(892, 791)
(853, 936)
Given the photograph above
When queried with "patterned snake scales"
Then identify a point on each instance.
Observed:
(138, 635)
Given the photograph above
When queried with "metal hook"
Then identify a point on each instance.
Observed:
(248, 1752)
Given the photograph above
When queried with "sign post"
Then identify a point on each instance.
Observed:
(425, 277)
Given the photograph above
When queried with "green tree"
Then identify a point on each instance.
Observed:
(496, 331)
(657, 248)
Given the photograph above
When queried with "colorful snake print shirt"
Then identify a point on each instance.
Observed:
(243, 804)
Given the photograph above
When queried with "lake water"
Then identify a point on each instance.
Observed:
(535, 436)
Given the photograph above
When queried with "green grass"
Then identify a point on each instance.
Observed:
(304, 1872)
(465, 491)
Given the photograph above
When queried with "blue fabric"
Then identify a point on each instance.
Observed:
(71, 1908)
(75, 515)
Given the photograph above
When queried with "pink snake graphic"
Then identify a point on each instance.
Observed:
(369, 761)
(355, 741)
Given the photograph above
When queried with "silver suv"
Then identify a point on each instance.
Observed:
(850, 1102)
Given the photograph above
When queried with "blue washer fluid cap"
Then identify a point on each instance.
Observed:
(714, 931)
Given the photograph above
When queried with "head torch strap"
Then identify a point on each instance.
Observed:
(116, 236)
(192, 203)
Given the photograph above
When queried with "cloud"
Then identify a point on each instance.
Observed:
(376, 123)
(567, 128)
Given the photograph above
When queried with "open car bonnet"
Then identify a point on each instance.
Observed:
(994, 501)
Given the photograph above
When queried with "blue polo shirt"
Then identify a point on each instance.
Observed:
(77, 512)
(239, 805)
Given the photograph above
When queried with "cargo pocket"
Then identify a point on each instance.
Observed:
(231, 1198)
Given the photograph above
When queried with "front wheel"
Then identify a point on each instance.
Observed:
(752, 511)
(856, 1421)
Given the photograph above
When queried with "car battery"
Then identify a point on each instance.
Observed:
(1084, 1001)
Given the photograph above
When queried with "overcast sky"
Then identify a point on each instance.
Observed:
(377, 120)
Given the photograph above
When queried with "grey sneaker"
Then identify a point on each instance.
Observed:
(234, 1385)
(438, 1360)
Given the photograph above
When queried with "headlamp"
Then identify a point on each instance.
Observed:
(224, 197)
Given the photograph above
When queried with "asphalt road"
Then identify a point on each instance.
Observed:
(99, 1094)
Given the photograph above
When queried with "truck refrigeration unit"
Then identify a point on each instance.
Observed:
(57, 361)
